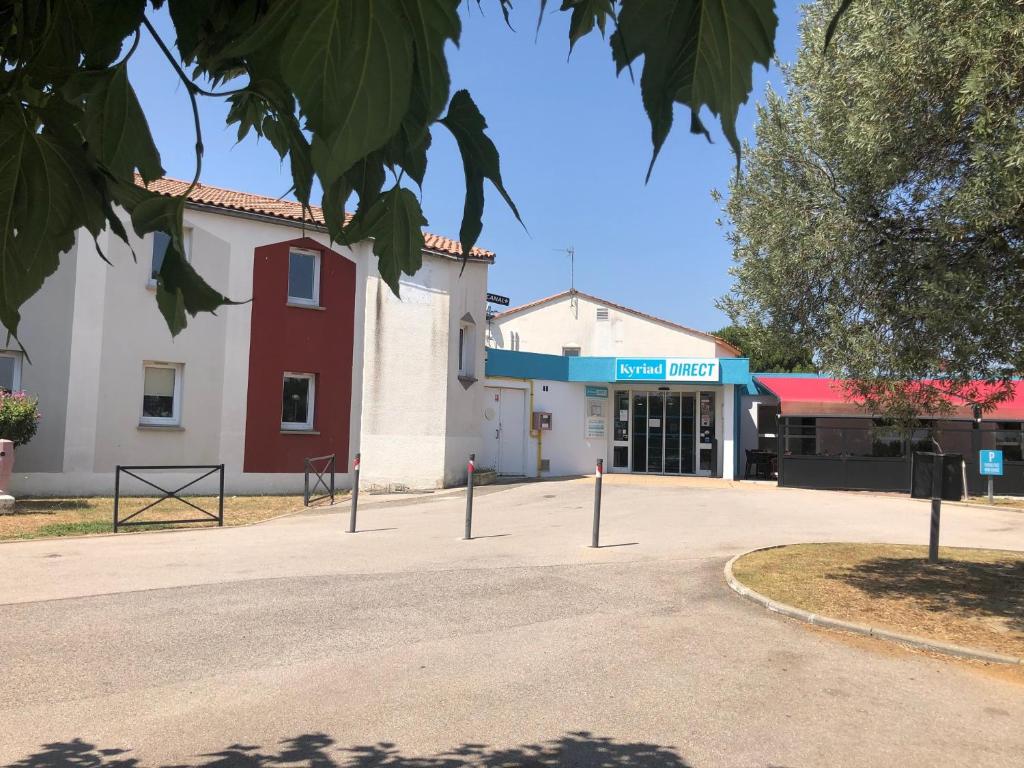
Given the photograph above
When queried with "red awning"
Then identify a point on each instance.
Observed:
(814, 396)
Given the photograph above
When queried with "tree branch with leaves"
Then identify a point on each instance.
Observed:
(349, 91)
(879, 219)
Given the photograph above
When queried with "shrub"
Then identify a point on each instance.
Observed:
(19, 417)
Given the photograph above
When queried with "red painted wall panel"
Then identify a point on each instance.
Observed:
(299, 340)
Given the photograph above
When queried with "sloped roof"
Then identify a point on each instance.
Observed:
(823, 396)
(204, 194)
(619, 307)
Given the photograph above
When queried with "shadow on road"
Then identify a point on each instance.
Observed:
(317, 750)
(994, 589)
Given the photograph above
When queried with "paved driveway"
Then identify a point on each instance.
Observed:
(294, 643)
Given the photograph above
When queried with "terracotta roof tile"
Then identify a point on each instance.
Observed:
(204, 194)
(621, 308)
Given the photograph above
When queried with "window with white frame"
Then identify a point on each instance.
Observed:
(161, 394)
(160, 242)
(571, 351)
(298, 401)
(467, 342)
(303, 277)
(10, 371)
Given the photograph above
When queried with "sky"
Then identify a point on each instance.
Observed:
(575, 147)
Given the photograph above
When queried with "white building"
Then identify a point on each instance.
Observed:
(574, 378)
(324, 359)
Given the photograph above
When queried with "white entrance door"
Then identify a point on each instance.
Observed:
(504, 431)
(512, 431)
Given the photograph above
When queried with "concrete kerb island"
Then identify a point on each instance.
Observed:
(799, 614)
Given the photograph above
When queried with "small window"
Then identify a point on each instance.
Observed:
(10, 371)
(304, 277)
(466, 358)
(570, 351)
(161, 394)
(298, 401)
(514, 341)
(160, 242)
(602, 313)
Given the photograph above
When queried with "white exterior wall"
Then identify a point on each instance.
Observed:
(45, 370)
(725, 431)
(402, 390)
(566, 446)
(465, 398)
(419, 422)
(549, 327)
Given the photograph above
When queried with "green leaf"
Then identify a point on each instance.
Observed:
(350, 64)
(395, 222)
(432, 23)
(267, 32)
(181, 290)
(479, 160)
(366, 178)
(109, 23)
(409, 150)
(116, 128)
(586, 14)
(46, 193)
(699, 53)
(187, 17)
(158, 213)
(248, 110)
(506, 10)
(333, 205)
(299, 155)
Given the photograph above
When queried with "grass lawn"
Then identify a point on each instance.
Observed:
(42, 517)
(1014, 502)
(972, 597)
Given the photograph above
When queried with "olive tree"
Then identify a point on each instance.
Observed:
(878, 219)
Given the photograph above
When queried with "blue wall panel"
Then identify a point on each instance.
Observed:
(530, 365)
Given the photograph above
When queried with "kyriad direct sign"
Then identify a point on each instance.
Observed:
(666, 369)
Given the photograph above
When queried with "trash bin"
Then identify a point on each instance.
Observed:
(922, 469)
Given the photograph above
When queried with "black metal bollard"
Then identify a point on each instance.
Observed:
(933, 538)
(355, 494)
(117, 494)
(220, 501)
(596, 535)
(470, 469)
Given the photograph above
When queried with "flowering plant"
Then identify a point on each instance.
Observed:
(19, 417)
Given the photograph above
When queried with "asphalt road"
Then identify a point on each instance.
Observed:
(293, 643)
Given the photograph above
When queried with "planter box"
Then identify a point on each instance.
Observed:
(485, 476)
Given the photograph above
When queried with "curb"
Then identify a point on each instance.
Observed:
(799, 614)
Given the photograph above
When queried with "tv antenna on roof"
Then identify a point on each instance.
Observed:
(573, 300)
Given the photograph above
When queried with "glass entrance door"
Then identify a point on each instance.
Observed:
(663, 439)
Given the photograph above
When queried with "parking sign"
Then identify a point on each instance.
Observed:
(991, 463)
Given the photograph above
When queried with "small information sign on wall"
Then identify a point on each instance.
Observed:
(595, 416)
